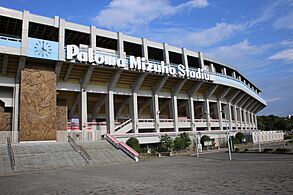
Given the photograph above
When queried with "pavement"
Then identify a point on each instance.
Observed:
(212, 173)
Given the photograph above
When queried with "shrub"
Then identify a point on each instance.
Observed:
(240, 137)
(186, 140)
(203, 139)
(133, 143)
(181, 142)
(236, 150)
(178, 144)
(166, 143)
(267, 150)
(282, 150)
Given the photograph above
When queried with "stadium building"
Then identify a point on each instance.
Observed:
(59, 78)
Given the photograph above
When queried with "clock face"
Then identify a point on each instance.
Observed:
(42, 49)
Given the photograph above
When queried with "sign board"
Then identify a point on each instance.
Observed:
(74, 53)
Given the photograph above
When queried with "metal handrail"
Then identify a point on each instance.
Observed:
(124, 147)
(11, 154)
(78, 148)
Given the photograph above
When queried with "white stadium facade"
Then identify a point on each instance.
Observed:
(59, 78)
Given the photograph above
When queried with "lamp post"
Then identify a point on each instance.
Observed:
(228, 136)
(196, 139)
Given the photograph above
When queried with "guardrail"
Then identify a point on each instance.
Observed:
(10, 38)
(124, 147)
(78, 148)
(11, 154)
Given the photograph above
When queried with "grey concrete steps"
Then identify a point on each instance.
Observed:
(42, 156)
(47, 156)
(103, 152)
(4, 159)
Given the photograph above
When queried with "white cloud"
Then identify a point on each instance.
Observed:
(130, 14)
(284, 22)
(283, 55)
(232, 53)
(215, 34)
(274, 99)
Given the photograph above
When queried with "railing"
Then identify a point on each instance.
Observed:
(146, 120)
(166, 120)
(214, 120)
(78, 148)
(10, 38)
(122, 125)
(184, 120)
(11, 154)
(124, 147)
(200, 120)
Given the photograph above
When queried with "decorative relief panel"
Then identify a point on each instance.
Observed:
(37, 104)
(61, 115)
(5, 119)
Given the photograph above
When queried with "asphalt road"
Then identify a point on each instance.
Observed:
(210, 174)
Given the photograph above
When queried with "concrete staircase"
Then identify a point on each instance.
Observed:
(103, 152)
(4, 159)
(43, 156)
(35, 156)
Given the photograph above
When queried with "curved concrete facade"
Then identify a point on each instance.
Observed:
(109, 82)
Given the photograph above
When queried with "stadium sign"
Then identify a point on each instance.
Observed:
(73, 52)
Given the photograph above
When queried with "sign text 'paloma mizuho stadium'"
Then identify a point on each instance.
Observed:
(134, 63)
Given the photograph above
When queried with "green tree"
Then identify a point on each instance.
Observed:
(133, 143)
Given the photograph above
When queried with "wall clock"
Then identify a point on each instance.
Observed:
(43, 49)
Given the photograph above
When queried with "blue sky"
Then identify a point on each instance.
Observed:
(255, 36)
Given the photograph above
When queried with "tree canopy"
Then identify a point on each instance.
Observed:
(273, 122)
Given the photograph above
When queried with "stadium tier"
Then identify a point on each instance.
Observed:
(59, 78)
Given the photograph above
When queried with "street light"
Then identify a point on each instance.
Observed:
(228, 136)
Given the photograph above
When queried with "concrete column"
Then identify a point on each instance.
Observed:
(235, 116)
(15, 114)
(249, 119)
(83, 113)
(24, 34)
(166, 53)
(184, 59)
(93, 38)
(134, 112)
(212, 68)
(191, 113)
(145, 52)
(234, 74)
(120, 45)
(110, 112)
(252, 120)
(175, 112)
(245, 119)
(229, 115)
(156, 112)
(61, 39)
(200, 60)
(224, 71)
(219, 105)
(241, 118)
(207, 113)
(255, 118)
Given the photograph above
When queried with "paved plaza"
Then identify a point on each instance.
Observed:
(209, 174)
